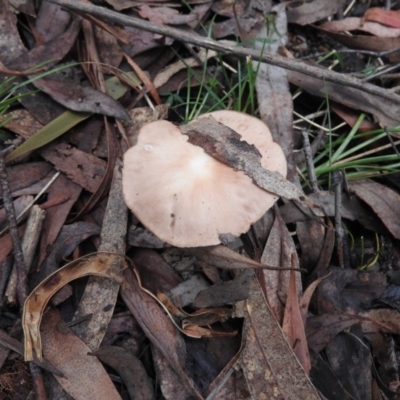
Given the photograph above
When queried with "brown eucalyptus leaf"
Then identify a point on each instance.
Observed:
(322, 329)
(158, 327)
(278, 251)
(80, 98)
(355, 24)
(82, 168)
(224, 144)
(385, 320)
(84, 376)
(383, 200)
(54, 50)
(225, 292)
(268, 362)
(24, 175)
(58, 213)
(308, 13)
(94, 264)
(130, 369)
(223, 257)
(52, 20)
(293, 325)
(165, 15)
(22, 122)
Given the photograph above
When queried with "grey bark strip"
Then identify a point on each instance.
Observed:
(225, 145)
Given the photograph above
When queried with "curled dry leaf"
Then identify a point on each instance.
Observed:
(94, 264)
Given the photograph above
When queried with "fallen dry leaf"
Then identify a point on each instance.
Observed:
(385, 17)
(130, 369)
(84, 376)
(383, 200)
(269, 364)
(308, 13)
(82, 98)
(94, 264)
(158, 327)
(165, 15)
(80, 167)
(293, 325)
(356, 24)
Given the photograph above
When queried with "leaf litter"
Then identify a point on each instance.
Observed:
(268, 313)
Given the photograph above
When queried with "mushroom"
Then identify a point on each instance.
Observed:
(186, 197)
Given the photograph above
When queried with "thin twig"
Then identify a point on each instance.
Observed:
(309, 161)
(353, 51)
(396, 150)
(12, 223)
(337, 178)
(226, 47)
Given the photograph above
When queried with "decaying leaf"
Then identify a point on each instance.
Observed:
(157, 326)
(307, 13)
(270, 367)
(84, 376)
(130, 369)
(95, 264)
(383, 200)
(293, 325)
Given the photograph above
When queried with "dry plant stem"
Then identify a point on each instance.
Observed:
(12, 223)
(338, 216)
(38, 382)
(227, 48)
(29, 242)
(309, 161)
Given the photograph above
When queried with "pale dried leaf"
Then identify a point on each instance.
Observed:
(84, 376)
(95, 264)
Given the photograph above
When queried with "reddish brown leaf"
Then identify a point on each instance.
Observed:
(293, 325)
(385, 17)
(24, 175)
(57, 215)
(383, 200)
(165, 15)
(82, 168)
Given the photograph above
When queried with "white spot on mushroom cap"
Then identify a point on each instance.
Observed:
(186, 197)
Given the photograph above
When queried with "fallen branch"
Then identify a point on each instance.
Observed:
(226, 47)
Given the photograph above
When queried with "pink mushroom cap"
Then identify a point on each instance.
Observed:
(186, 197)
